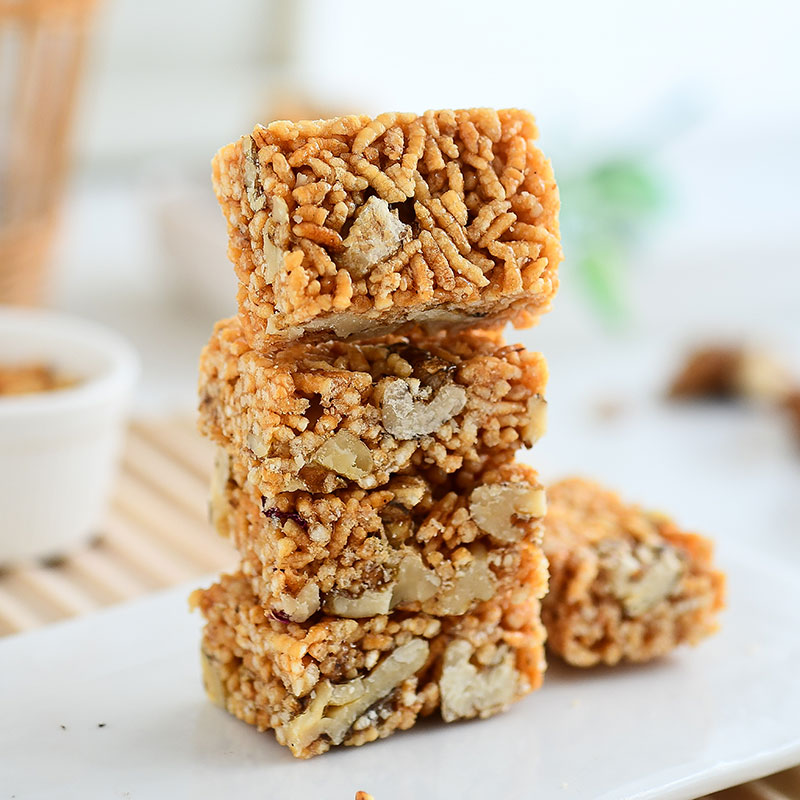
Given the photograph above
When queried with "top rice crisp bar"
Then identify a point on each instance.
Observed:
(354, 227)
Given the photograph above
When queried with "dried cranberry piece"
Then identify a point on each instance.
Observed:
(282, 516)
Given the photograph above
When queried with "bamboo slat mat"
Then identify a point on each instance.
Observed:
(156, 535)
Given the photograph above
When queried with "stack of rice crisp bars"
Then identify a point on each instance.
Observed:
(367, 413)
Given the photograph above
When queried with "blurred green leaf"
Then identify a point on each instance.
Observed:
(606, 209)
(626, 186)
(604, 281)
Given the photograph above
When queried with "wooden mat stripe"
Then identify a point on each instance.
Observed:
(782, 786)
(156, 535)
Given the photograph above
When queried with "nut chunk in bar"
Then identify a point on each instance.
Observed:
(317, 417)
(342, 681)
(411, 545)
(625, 584)
(357, 226)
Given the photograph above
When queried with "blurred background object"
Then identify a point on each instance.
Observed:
(677, 159)
(677, 156)
(42, 47)
(59, 445)
(673, 132)
(607, 207)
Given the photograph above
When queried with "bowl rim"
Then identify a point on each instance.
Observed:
(117, 378)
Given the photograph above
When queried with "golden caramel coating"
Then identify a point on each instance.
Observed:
(319, 417)
(625, 584)
(354, 227)
(341, 681)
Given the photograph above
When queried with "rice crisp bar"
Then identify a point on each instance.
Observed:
(625, 584)
(356, 227)
(338, 681)
(414, 544)
(319, 417)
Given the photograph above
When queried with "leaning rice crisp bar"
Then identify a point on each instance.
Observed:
(356, 226)
(414, 544)
(342, 681)
(317, 417)
(625, 584)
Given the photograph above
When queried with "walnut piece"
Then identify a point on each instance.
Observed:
(467, 691)
(731, 373)
(349, 325)
(214, 687)
(346, 455)
(376, 234)
(641, 576)
(253, 190)
(300, 608)
(369, 603)
(536, 426)
(476, 583)
(761, 378)
(414, 582)
(342, 324)
(334, 708)
(408, 491)
(256, 445)
(273, 260)
(493, 507)
(408, 413)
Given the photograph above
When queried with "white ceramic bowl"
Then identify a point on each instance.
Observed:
(58, 449)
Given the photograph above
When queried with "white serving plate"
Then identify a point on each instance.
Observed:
(703, 719)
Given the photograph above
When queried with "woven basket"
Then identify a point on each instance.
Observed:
(42, 45)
